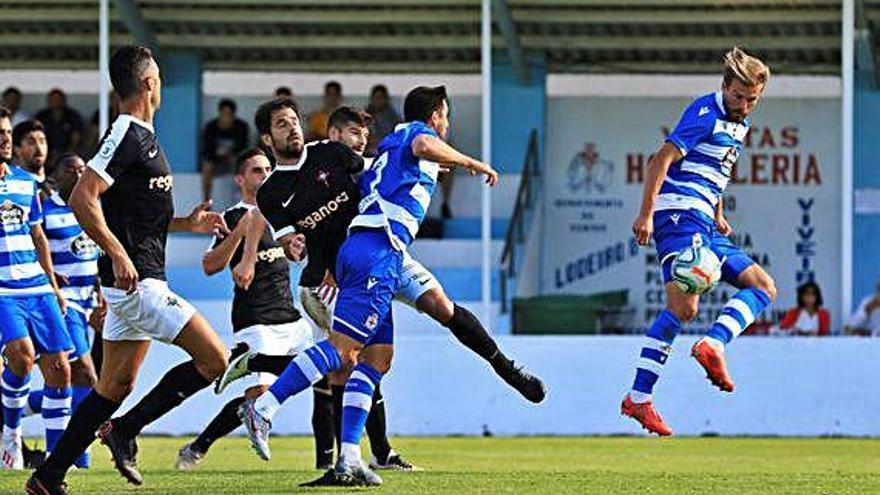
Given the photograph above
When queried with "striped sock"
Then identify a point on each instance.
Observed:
(658, 344)
(34, 403)
(306, 369)
(56, 413)
(15, 394)
(79, 394)
(739, 312)
(356, 404)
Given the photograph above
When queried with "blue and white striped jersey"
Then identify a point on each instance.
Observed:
(398, 186)
(20, 270)
(710, 144)
(74, 254)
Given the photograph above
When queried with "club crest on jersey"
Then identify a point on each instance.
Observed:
(172, 301)
(84, 247)
(323, 177)
(11, 215)
(372, 321)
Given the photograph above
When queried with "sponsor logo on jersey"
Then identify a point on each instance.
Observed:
(11, 215)
(371, 282)
(703, 111)
(311, 221)
(270, 255)
(83, 247)
(152, 153)
(164, 183)
(172, 301)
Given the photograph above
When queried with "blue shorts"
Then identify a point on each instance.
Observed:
(368, 272)
(674, 231)
(36, 316)
(78, 329)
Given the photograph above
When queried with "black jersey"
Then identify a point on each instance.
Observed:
(269, 300)
(316, 197)
(137, 206)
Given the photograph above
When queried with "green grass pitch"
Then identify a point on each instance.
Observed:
(642, 466)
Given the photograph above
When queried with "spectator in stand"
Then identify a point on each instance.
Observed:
(12, 101)
(222, 140)
(809, 317)
(93, 135)
(865, 321)
(385, 118)
(317, 121)
(283, 92)
(64, 125)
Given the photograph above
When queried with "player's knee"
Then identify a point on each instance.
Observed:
(20, 358)
(436, 305)
(768, 285)
(116, 388)
(213, 366)
(83, 374)
(57, 370)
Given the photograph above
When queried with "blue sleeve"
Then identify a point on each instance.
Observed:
(36, 214)
(693, 127)
(415, 130)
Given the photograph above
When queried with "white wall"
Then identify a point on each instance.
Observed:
(801, 386)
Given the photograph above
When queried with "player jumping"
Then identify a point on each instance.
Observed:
(682, 200)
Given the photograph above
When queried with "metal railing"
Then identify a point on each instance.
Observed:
(516, 230)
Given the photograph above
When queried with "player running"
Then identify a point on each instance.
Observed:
(124, 203)
(264, 318)
(31, 308)
(682, 202)
(396, 193)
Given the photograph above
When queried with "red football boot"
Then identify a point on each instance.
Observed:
(711, 359)
(645, 414)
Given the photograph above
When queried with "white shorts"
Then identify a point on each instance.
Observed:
(152, 311)
(285, 339)
(414, 281)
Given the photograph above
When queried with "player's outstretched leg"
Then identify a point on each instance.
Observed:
(358, 399)
(15, 394)
(658, 344)
(739, 312)
(306, 369)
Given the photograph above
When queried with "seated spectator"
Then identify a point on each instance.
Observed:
(222, 140)
(385, 118)
(283, 92)
(12, 101)
(865, 321)
(809, 317)
(316, 122)
(64, 125)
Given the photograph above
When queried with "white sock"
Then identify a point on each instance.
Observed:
(267, 405)
(639, 397)
(350, 452)
(717, 344)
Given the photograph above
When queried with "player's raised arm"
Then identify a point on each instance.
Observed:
(218, 257)
(436, 150)
(658, 165)
(86, 205)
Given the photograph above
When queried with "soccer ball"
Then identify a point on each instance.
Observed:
(696, 270)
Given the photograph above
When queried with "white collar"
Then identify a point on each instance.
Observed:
(298, 165)
(242, 204)
(138, 121)
(719, 100)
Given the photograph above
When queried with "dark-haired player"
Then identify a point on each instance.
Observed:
(124, 203)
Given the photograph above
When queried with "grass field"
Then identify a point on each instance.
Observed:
(643, 466)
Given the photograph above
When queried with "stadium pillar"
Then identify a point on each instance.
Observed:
(516, 110)
(179, 119)
(866, 183)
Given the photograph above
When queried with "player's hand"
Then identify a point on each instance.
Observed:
(490, 173)
(643, 227)
(125, 274)
(62, 303)
(99, 312)
(203, 221)
(243, 273)
(294, 245)
(723, 225)
(61, 280)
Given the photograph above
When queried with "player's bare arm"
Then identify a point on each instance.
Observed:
(658, 166)
(435, 149)
(200, 221)
(86, 205)
(243, 272)
(721, 222)
(216, 259)
(44, 255)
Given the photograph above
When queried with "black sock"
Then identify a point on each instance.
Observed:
(377, 429)
(80, 433)
(470, 332)
(269, 364)
(322, 423)
(224, 423)
(178, 384)
(338, 392)
(97, 352)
